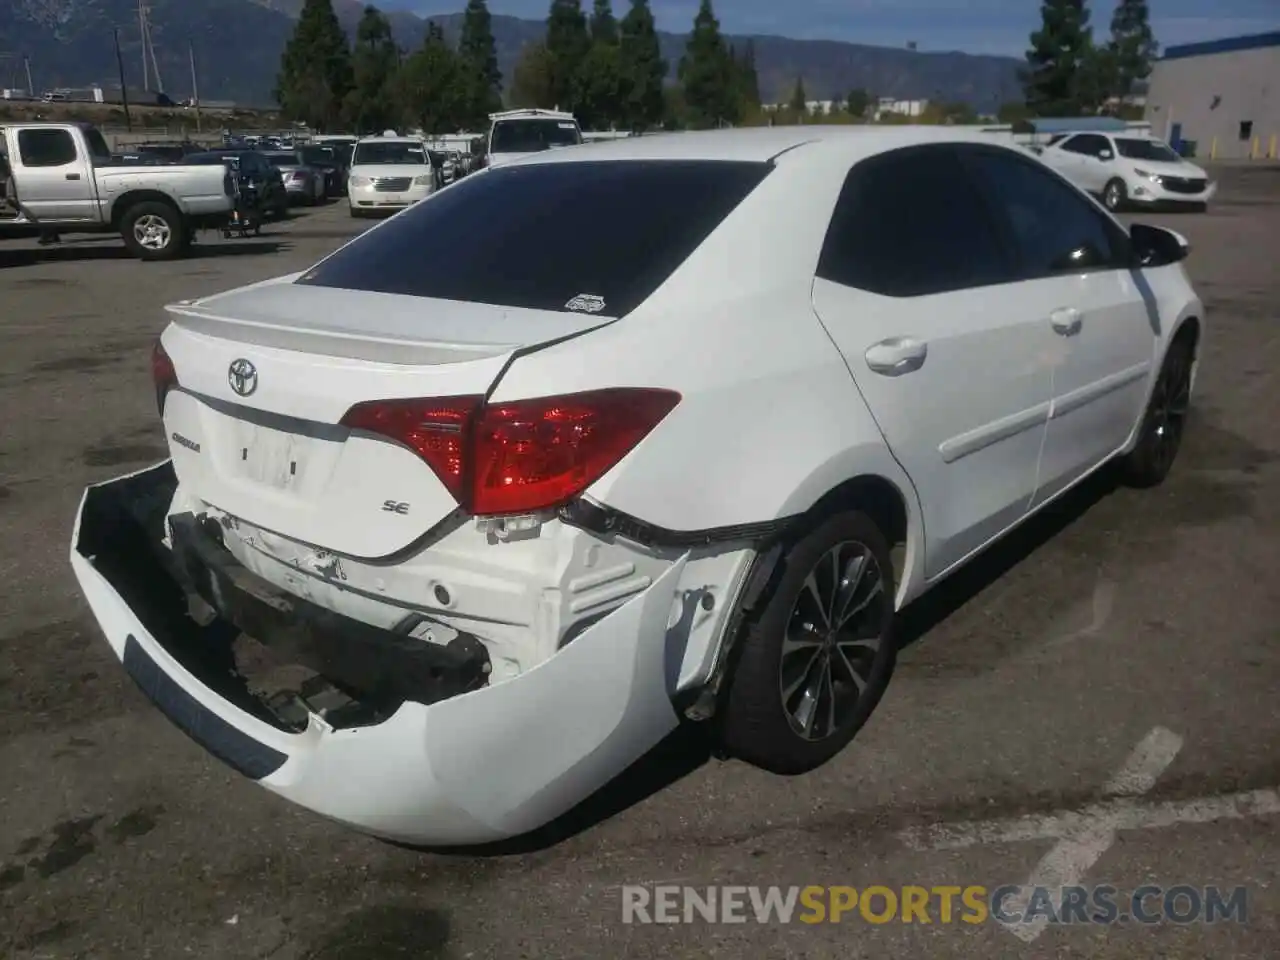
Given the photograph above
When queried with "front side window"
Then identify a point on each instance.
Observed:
(1055, 228)
(532, 136)
(388, 153)
(1153, 151)
(1087, 144)
(598, 236)
(46, 148)
(908, 224)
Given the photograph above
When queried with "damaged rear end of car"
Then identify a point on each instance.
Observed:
(364, 583)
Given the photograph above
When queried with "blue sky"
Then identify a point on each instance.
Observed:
(975, 26)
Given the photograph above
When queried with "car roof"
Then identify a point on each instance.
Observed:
(760, 144)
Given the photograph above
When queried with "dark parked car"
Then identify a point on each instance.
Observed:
(260, 182)
(328, 160)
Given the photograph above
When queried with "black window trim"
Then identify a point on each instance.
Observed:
(1119, 237)
(999, 227)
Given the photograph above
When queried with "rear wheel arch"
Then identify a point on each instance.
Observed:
(881, 499)
(128, 201)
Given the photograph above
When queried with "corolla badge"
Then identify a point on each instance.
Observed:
(243, 377)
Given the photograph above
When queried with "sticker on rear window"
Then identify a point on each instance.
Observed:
(566, 126)
(586, 303)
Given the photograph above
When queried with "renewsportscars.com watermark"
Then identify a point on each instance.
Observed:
(1009, 905)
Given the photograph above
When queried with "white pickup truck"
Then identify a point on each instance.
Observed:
(62, 175)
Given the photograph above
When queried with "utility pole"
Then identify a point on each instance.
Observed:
(195, 87)
(142, 35)
(31, 90)
(124, 93)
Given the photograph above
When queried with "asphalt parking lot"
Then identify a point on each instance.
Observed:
(1093, 703)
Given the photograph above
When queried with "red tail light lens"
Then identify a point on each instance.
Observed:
(537, 454)
(436, 430)
(522, 456)
(163, 374)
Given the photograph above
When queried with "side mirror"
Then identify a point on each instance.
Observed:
(1104, 155)
(1157, 246)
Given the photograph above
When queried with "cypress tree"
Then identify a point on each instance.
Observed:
(315, 71)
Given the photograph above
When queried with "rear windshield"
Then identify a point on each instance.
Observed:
(283, 159)
(389, 152)
(531, 136)
(597, 236)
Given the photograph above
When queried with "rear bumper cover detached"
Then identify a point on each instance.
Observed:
(463, 763)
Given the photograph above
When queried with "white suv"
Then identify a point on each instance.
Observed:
(515, 134)
(1128, 170)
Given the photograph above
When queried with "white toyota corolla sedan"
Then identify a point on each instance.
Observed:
(669, 443)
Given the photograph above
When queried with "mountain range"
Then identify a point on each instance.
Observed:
(237, 46)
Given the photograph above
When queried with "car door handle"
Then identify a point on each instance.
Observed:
(897, 355)
(73, 176)
(1065, 321)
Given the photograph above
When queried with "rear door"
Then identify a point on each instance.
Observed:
(951, 362)
(1076, 260)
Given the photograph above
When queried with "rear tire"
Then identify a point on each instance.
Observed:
(1165, 419)
(817, 659)
(154, 231)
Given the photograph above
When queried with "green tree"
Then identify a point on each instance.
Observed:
(707, 73)
(857, 103)
(370, 104)
(1059, 61)
(478, 56)
(433, 86)
(799, 102)
(568, 44)
(599, 92)
(599, 97)
(746, 80)
(641, 68)
(531, 84)
(315, 71)
(604, 27)
(1132, 46)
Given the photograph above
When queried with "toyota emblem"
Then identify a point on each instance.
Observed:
(243, 377)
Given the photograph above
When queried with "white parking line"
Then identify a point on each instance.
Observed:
(1084, 835)
(1072, 856)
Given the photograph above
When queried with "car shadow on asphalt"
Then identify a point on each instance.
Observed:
(80, 252)
(942, 601)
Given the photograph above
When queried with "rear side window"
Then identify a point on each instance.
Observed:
(46, 148)
(596, 236)
(908, 224)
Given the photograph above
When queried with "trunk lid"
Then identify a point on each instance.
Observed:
(267, 372)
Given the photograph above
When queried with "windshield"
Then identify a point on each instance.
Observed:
(387, 152)
(284, 159)
(1152, 150)
(530, 136)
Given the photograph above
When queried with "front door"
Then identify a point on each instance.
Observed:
(55, 183)
(953, 370)
(1076, 259)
